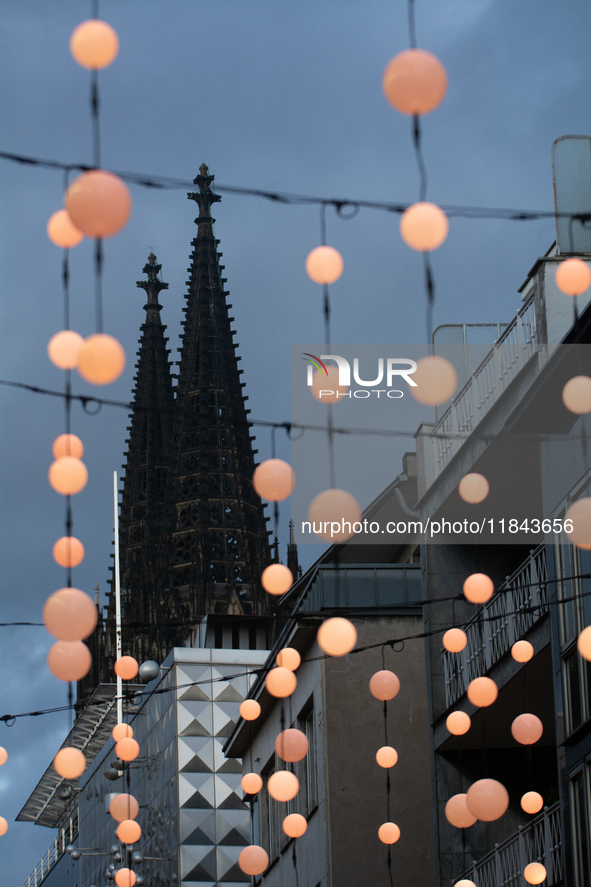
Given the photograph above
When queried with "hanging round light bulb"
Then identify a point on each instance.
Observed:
(473, 488)
(522, 651)
(478, 588)
(288, 658)
(129, 831)
(68, 551)
(424, 226)
(336, 636)
(283, 785)
(482, 692)
(487, 799)
(274, 480)
(415, 82)
(64, 348)
(458, 813)
(295, 825)
(99, 203)
(253, 860)
(70, 763)
(436, 380)
(127, 749)
(388, 833)
(126, 667)
(384, 685)
(576, 395)
(579, 514)
(534, 873)
(94, 44)
(3, 755)
(251, 783)
(532, 802)
(292, 745)
(67, 445)
(527, 729)
(123, 807)
(458, 723)
(70, 614)
(324, 264)
(122, 731)
(386, 757)
(69, 660)
(101, 359)
(62, 231)
(250, 709)
(334, 514)
(68, 475)
(454, 640)
(280, 682)
(326, 388)
(465, 882)
(276, 579)
(125, 878)
(3, 826)
(573, 277)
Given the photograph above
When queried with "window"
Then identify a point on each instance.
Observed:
(581, 825)
(306, 769)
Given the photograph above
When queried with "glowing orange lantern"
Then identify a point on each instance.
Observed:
(458, 723)
(99, 203)
(465, 882)
(532, 802)
(455, 640)
(68, 551)
(250, 709)
(126, 667)
(527, 729)
(70, 763)
(334, 514)
(253, 860)
(436, 380)
(68, 475)
(64, 348)
(251, 783)
(384, 685)
(414, 82)
(62, 232)
(584, 643)
(386, 757)
(276, 579)
(457, 812)
(478, 588)
(573, 277)
(534, 873)
(274, 480)
(487, 799)
(129, 831)
(288, 658)
(295, 825)
(576, 395)
(424, 226)
(70, 615)
(125, 878)
(280, 682)
(580, 515)
(326, 388)
(122, 731)
(124, 807)
(3, 826)
(94, 44)
(69, 660)
(292, 745)
(3, 755)
(388, 833)
(482, 692)
(324, 264)
(522, 651)
(473, 488)
(283, 785)
(67, 445)
(336, 636)
(127, 749)
(101, 359)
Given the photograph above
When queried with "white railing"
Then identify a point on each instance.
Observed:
(496, 372)
(512, 611)
(56, 850)
(539, 841)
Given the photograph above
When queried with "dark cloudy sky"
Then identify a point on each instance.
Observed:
(276, 94)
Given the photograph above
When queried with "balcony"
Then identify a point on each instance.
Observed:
(539, 841)
(65, 836)
(519, 603)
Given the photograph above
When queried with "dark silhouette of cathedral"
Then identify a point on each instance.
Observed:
(193, 534)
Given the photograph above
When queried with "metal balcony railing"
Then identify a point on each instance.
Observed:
(515, 607)
(539, 841)
(56, 850)
(496, 372)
